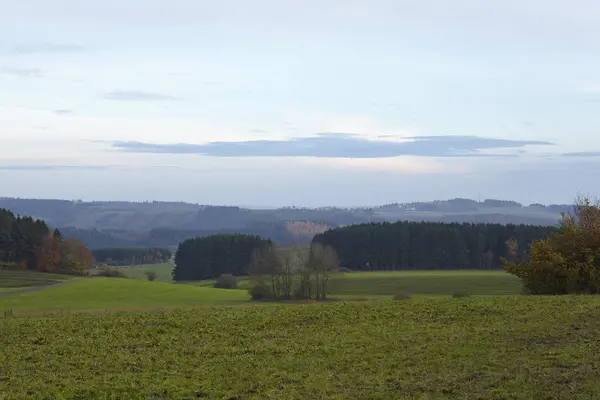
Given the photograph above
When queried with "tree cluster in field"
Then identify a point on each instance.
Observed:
(29, 244)
(276, 274)
(567, 261)
(292, 273)
(427, 245)
(132, 255)
(211, 256)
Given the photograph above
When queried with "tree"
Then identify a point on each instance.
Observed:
(568, 260)
(426, 245)
(266, 270)
(322, 261)
(49, 254)
(211, 256)
(75, 257)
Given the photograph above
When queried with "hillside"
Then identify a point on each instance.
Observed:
(109, 224)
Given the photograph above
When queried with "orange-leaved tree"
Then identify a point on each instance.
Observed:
(567, 261)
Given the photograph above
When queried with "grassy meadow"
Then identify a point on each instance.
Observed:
(163, 271)
(421, 283)
(14, 280)
(505, 347)
(118, 293)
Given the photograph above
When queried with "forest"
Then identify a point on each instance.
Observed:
(29, 244)
(209, 257)
(426, 245)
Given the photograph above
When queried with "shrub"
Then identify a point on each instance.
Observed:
(260, 291)
(402, 296)
(226, 281)
(109, 272)
(151, 275)
(458, 295)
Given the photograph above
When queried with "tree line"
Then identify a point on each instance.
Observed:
(427, 245)
(211, 256)
(29, 244)
(276, 274)
(131, 255)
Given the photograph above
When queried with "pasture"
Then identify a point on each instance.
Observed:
(163, 271)
(117, 293)
(516, 347)
(422, 283)
(14, 280)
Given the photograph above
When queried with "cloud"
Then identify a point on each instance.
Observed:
(583, 154)
(62, 112)
(21, 72)
(47, 167)
(338, 145)
(35, 48)
(136, 95)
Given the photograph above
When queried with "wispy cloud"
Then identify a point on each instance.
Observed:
(34, 48)
(53, 167)
(337, 145)
(136, 95)
(62, 112)
(583, 154)
(21, 72)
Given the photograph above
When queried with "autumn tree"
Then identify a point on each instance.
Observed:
(568, 260)
(75, 257)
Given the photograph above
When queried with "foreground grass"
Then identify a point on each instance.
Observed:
(12, 280)
(430, 283)
(117, 293)
(492, 348)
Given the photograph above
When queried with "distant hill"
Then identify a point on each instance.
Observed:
(110, 224)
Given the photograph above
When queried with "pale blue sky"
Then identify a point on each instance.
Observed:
(93, 95)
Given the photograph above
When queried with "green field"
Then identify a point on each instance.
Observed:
(163, 271)
(13, 280)
(118, 293)
(509, 347)
(431, 283)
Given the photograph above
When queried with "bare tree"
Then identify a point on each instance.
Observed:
(322, 261)
(266, 270)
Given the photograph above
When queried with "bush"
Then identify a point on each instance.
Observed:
(109, 272)
(226, 281)
(402, 296)
(151, 275)
(458, 295)
(260, 291)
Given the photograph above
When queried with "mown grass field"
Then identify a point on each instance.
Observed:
(13, 280)
(506, 347)
(118, 293)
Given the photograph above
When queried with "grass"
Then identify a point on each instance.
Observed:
(118, 293)
(510, 347)
(424, 283)
(163, 271)
(12, 280)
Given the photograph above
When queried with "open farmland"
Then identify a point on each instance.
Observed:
(117, 293)
(430, 283)
(495, 348)
(14, 280)
(163, 271)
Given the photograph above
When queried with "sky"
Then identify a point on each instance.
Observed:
(306, 103)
